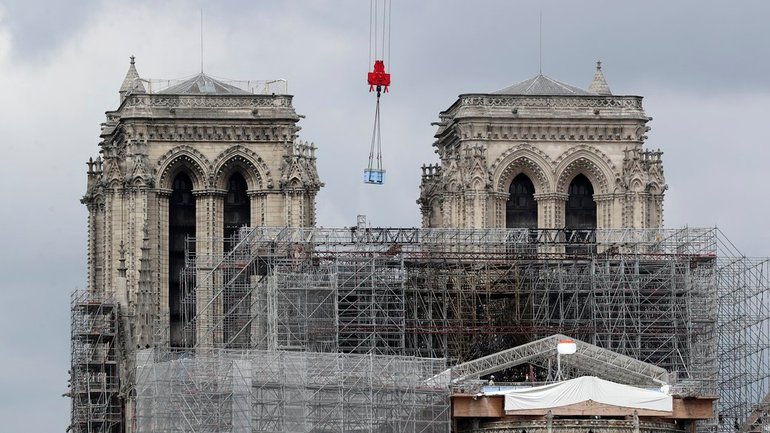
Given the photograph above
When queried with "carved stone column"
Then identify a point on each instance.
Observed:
(257, 208)
(163, 196)
(275, 210)
(95, 211)
(656, 221)
(113, 230)
(450, 211)
(497, 208)
(476, 209)
(550, 215)
(638, 204)
(288, 209)
(550, 210)
(614, 210)
(209, 206)
(605, 204)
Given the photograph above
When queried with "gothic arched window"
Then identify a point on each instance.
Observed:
(521, 207)
(580, 211)
(236, 300)
(181, 225)
(237, 212)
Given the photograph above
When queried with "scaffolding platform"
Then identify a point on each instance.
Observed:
(283, 391)
(322, 302)
(94, 376)
(681, 299)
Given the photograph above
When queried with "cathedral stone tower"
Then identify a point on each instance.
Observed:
(201, 158)
(544, 154)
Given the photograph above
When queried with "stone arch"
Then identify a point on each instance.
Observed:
(534, 163)
(140, 180)
(588, 161)
(98, 198)
(434, 212)
(112, 173)
(181, 222)
(236, 210)
(294, 183)
(521, 209)
(114, 183)
(477, 183)
(245, 161)
(184, 158)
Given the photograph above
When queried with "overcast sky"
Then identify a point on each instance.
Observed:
(703, 68)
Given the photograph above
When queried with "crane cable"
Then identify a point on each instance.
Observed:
(378, 80)
(376, 141)
(374, 30)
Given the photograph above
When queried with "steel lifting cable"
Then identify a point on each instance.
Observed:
(390, 8)
(371, 26)
(375, 166)
(379, 80)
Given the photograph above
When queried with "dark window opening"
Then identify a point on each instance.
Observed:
(236, 297)
(521, 207)
(181, 225)
(521, 213)
(237, 212)
(580, 214)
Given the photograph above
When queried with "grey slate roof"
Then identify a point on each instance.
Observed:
(203, 84)
(542, 85)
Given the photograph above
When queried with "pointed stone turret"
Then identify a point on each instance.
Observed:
(131, 82)
(599, 84)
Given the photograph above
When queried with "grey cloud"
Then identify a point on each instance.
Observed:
(701, 66)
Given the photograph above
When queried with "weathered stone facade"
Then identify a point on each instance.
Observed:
(550, 132)
(206, 130)
(573, 425)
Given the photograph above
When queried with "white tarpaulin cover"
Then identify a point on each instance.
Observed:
(583, 389)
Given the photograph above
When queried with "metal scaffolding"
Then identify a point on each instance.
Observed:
(588, 360)
(743, 339)
(683, 299)
(293, 323)
(94, 383)
(225, 390)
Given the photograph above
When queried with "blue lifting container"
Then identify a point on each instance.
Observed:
(374, 176)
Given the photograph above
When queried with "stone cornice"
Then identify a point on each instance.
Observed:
(549, 131)
(260, 192)
(193, 131)
(209, 101)
(577, 101)
(164, 192)
(551, 196)
(576, 425)
(602, 198)
(210, 193)
(591, 111)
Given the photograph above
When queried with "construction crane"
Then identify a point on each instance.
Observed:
(379, 81)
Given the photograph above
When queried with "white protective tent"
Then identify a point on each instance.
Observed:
(583, 389)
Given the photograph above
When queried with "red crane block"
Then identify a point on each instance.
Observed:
(378, 77)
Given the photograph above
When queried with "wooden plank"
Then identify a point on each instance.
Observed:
(693, 408)
(591, 408)
(468, 406)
